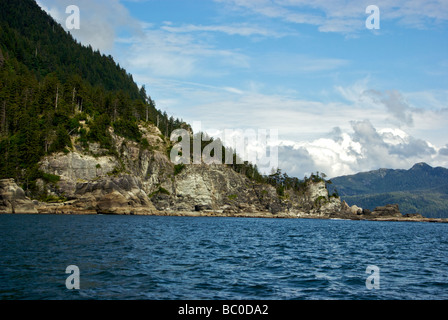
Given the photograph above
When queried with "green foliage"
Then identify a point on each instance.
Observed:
(163, 191)
(99, 131)
(321, 200)
(178, 168)
(128, 129)
(62, 140)
(280, 190)
(83, 138)
(421, 189)
(145, 144)
(115, 172)
(318, 177)
(52, 199)
(49, 83)
(50, 178)
(335, 194)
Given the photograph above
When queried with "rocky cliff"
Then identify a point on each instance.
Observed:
(136, 180)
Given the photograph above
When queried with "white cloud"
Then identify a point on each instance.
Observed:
(372, 127)
(307, 143)
(163, 53)
(395, 103)
(345, 16)
(444, 151)
(101, 20)
(363, 148)
(282, 63)
(242, 29)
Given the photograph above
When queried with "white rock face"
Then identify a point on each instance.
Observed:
(316, 190)
(78, 167)
(207, 186)
(332, 206)
(195, 187)
(94, 181)
(13, 199)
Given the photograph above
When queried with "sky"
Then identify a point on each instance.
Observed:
(344, 98)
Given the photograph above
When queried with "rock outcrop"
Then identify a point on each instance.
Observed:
(118, 195)
(218, 188)
(390, 210)
(143, 181)
(13, 199)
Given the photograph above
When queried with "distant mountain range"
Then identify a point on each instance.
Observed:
(421, 189)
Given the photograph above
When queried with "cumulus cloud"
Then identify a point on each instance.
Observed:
(444, 151)
(395, 104)
(101, 20)
(332, 137)
(363, 148)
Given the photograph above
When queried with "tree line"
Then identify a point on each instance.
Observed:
(50, 85)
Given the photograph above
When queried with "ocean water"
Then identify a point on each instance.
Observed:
(171, 258)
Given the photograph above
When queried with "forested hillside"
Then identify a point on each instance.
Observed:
(50, 85)
(55, 91)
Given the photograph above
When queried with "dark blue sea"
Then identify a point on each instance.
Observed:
(171, 258)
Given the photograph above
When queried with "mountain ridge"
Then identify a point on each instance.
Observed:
(422, 189)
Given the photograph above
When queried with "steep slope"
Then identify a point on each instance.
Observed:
(52, 88)
(77, 134)
(421, 189)
(140, 180)
(31, 36)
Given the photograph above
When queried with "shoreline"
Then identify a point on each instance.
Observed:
(268, 215)
(262, 215)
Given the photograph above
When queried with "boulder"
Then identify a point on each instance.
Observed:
(355, 210)
(366, 212)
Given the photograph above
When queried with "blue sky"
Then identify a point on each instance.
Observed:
(344, 98)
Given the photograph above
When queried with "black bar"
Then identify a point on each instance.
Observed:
(225, 309)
